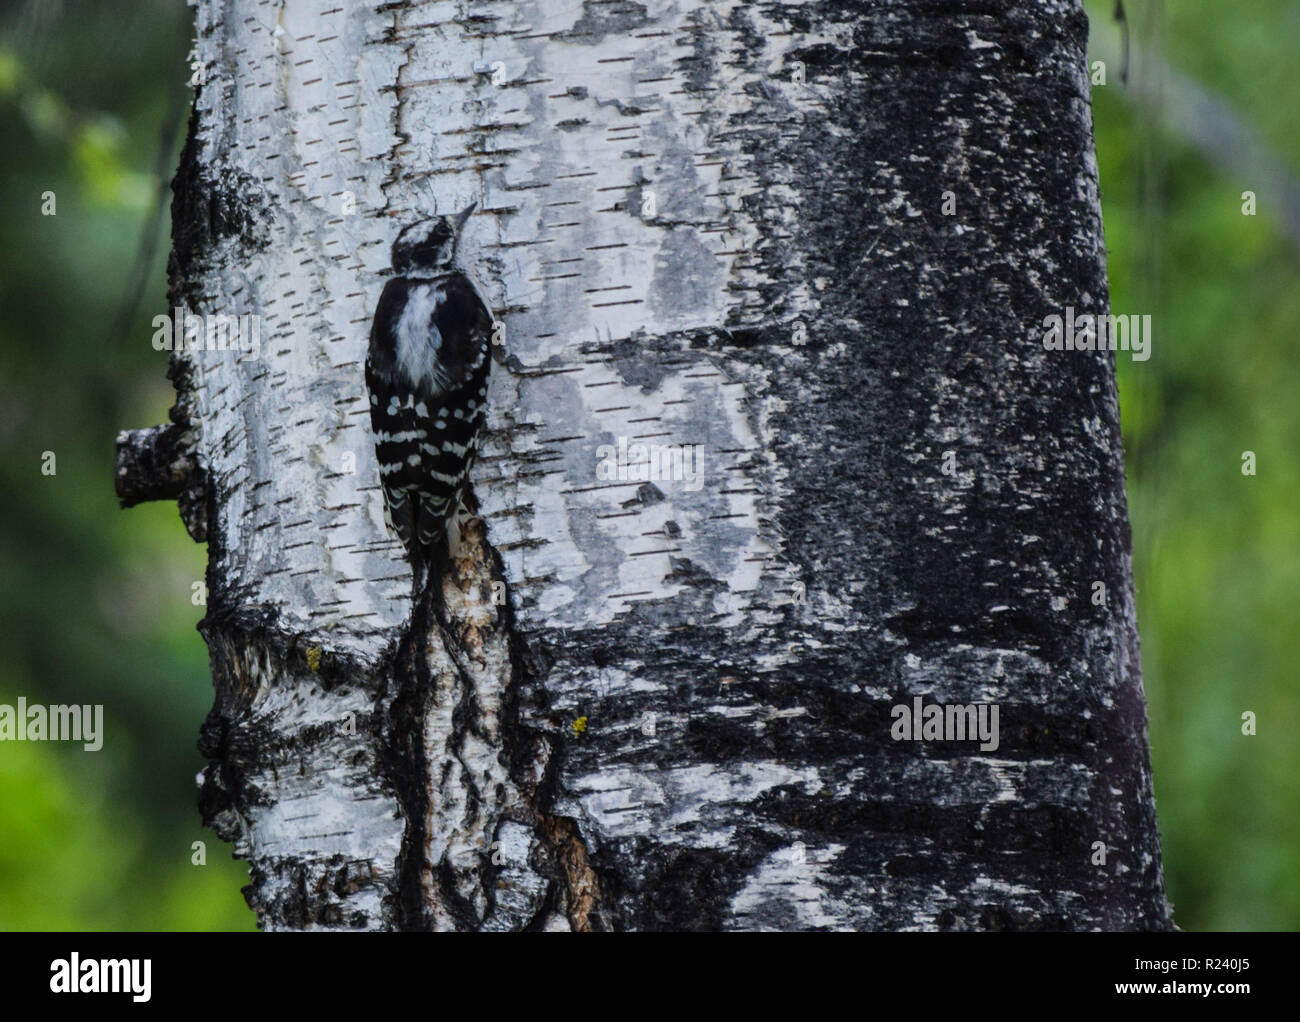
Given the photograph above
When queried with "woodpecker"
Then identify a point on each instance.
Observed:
(427, 373)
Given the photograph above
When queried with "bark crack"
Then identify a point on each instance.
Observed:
(580, 883)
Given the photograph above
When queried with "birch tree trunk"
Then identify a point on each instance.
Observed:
(810, 244)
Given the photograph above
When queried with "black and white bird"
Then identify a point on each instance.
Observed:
(427, 373)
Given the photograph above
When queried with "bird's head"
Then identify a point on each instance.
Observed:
(429, 246)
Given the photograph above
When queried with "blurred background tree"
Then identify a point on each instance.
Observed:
(96, 605)
(1216, 554)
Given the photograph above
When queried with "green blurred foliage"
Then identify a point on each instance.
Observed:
(96, 605)
(1216, 554)
(96, 602)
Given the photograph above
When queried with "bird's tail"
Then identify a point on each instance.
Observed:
(437, 542)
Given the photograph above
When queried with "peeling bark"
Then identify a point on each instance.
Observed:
(703, 224)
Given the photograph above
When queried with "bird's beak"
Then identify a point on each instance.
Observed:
(462, 217)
